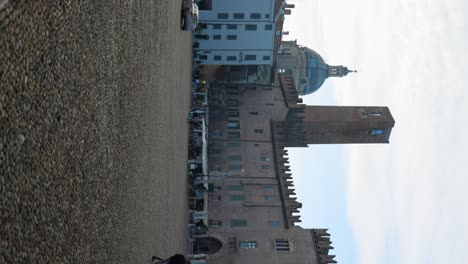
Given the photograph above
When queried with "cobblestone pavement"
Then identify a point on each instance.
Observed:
(93, 140)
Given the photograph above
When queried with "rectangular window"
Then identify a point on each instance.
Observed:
(233, 114)
(233, 135)
(247, 244)
(267, 15)
(265, 158)
(253, 113)
(216, 26)
(250, 57)
(235, 167)
(217, 58)
(266, 167)
(255, 16)
(231, 58)
(215, 223)
(234, 144)
(214, 198)
(223, 15)
(268, 187)
(231, 37)
(238, 222)
(233, 102)
(270, 197)
(375, 114)
(238, 16)
(274, 223)
(216, 37)
(202, 57)
(203, 26)
(266, 58)
(282, 244)
(269, 27)
(237, 197)
(236, 187)
(376, 132)
(235, 157)
(250, 27)
(258, 131)
(231, 26)
(233, 124)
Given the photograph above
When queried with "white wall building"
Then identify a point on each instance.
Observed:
(240, 32)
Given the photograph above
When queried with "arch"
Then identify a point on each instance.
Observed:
(207, 245)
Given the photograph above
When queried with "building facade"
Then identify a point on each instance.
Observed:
(241, 36)
(253, 212)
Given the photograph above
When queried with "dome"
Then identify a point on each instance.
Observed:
(316, 71)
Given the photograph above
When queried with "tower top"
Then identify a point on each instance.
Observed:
(338, 71)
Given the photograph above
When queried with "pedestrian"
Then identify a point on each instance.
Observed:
(176, 259)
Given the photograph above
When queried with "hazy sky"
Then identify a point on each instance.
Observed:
(406, 202)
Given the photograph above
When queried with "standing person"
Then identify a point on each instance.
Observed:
(176, 259)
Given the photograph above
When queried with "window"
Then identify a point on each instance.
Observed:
(266, 167)
(274, 223)
(233, 102)
(233, 124)
(216, 37)
(250, 57)
(267, 15)
(235, 157)
(236, 187)
(238, 222)
(268, 27)
(231, 58)
(217, 58)
(238, 16)
(265, 158)
(233, 135)
(216, 26)
(234, 144)
(199, 36)
(268, 187)
(231, 26)
(233, 114)
(250, 27)
(266, 58)
(256, 145)
(247, 244)
(237, 197)
(282, 244)
(376, 132)
(253, 113)
(231, 37)
(223, 16)
(255, 16)
(215, 198)
(375, 114)
(270, 197)
(202, 57)
(258, 131)
(214, 222)
(235, 167)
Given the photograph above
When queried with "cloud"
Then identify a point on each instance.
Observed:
(406, 201)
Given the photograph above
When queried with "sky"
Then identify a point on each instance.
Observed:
(405, 202)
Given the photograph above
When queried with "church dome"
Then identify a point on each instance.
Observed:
(316, 72)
